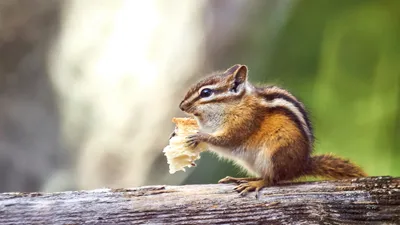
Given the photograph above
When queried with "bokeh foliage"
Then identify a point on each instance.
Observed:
(342, 58)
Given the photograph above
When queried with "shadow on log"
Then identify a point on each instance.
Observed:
(366, 200)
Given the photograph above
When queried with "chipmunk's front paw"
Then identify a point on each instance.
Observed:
(193, 140)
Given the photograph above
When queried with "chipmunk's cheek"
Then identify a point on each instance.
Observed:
(198, 110)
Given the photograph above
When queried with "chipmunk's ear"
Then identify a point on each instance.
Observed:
(238, 74)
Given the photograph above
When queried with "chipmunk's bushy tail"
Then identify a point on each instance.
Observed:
(334, 167)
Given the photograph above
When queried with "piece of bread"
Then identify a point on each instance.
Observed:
(178, 154)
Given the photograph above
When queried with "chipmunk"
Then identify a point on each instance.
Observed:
(266, 130)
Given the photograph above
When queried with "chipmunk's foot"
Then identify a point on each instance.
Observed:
(230, 179)
(250, 186)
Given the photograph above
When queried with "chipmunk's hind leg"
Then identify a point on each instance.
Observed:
(250, 186)
(246, 185)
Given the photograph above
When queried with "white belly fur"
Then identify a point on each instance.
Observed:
(255, 164)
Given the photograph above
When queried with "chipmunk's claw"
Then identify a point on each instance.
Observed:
(192, 140)
(250, 186)
(173, 134)
(246, 185)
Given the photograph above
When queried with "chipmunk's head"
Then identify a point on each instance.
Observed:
(208, 98)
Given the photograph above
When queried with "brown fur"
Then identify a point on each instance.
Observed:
(333, 167)
(271, 92)
(239, 123)
(287, 148)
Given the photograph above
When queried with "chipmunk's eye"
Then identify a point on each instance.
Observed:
(206, 92)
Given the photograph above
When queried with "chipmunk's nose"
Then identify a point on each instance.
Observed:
(183, 106)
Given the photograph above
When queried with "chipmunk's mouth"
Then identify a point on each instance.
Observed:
(192, 112)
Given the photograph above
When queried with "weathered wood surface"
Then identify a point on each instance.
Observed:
(367, 200)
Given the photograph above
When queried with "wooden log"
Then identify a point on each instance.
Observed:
(371, 200)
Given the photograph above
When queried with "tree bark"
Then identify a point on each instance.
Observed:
(365, 200)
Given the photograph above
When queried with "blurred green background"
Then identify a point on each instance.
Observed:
(342, 59)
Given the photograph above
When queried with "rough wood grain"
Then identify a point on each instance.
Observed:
(366, 200)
